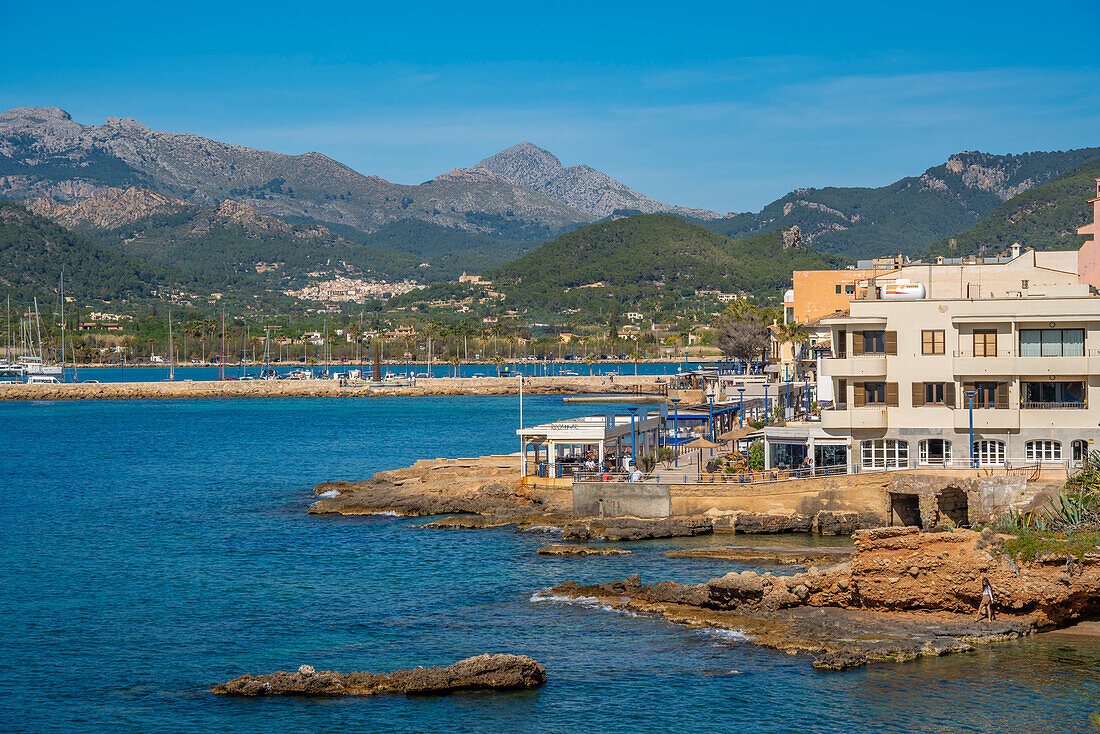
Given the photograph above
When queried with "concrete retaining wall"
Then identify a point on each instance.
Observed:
(617, 499)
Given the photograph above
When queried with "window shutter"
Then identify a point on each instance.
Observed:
(892, 394)
(857, 343)
(1002, 395)
(842, 343)
(949, 394)
(842, 392)
(859, 395)
(891, 342)
(918, 394)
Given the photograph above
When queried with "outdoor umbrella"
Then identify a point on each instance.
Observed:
(701, 443)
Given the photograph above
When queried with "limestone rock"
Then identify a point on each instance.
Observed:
(501, 672)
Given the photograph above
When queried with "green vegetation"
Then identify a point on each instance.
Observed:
(34, 251)
(1068, 524)
(1045, 217)
(650, 260)
(909, 215)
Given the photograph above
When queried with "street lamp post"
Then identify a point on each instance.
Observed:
(741, 410)
(676, 429)
(710, 416)
(765, 402)
(633, 440)
(788, 404)
(807, 390)
(970, 394)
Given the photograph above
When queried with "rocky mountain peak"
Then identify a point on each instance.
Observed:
(581, 187)
(35, 114)
(107, 208)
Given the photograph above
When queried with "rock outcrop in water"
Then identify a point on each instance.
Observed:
(903, 595)
(498, 672)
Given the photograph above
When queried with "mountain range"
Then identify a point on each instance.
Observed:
(217, 215)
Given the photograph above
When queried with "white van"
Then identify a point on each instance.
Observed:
(42, 380)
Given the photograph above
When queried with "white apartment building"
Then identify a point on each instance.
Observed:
(987, 364)
(991, 380)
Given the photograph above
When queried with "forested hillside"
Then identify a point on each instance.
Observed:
(1045, 217)
(34, 251)
(652, 257)
(911, 214)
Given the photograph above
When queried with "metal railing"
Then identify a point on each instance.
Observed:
(1053, 405)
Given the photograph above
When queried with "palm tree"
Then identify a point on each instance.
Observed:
(591, 360)
(454, 362)
(498, 361)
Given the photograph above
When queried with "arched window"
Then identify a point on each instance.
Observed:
(1043, 451)
(885, 454)
(989, 452)
(934, 451)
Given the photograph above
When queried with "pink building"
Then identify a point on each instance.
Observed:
(1088, 257)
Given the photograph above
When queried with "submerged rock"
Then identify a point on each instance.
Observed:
(501, 672)
(635, 528)
(580, 550)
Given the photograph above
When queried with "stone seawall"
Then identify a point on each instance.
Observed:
(645, 384)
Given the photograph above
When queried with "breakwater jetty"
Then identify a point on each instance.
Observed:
(642, 384)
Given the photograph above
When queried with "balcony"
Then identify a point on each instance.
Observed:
(999, 417)
(864, 365)
(1057, 415)
(1008, 363)
(1002, 364)
(855, 418)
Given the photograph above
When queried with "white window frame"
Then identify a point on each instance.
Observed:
(989, 452)
(884, 453)
(1043, 450)
(922, 451)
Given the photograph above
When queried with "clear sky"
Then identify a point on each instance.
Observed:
(726, 106)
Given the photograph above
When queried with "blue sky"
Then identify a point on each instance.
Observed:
(726, 106)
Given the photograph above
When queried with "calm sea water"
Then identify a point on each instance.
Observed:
(131, 373)
(152, 549)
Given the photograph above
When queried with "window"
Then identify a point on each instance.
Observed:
(841, 344)
(934, 451)
(1051, 395)
(985, 343)
(839, 289)
(934, 393)
(1052, 342)
(987, 395)
(885, 453)
(875, 393)
(1043, 451)
(931, 341)
(874, 342)
(850, 289)
(989, 452)
(1079, 450)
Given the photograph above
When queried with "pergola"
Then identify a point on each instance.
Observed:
(566, 442)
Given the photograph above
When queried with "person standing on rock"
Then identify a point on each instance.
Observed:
(986, 605)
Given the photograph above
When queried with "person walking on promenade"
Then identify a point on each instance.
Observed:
(986, 605)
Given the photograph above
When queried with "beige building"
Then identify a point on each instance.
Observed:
(960, 363)
(904, 374)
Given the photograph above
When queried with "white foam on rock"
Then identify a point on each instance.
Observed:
(585, 602)
(725, 635)
(329, 494)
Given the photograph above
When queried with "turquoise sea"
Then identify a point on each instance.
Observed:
(153, 549)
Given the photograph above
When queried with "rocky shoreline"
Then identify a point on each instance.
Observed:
(904, 595)
(496, 672)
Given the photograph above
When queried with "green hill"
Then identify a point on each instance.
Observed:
(911, 214)
(1045, 217)
(34, 251)
(652, 258)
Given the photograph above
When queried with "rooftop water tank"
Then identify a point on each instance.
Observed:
(901, 290)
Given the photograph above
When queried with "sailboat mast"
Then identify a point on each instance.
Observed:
(62, 325)
(171, 350)
(221, 350)
(38, 331)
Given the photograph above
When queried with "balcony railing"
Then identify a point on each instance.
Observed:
(969, 353)
(1053, 406)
